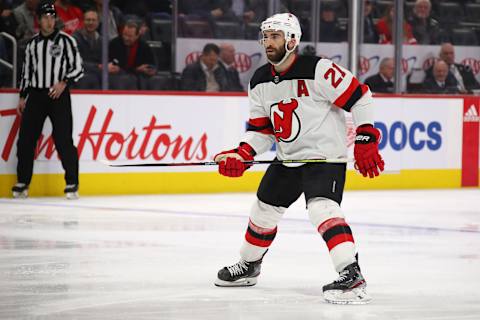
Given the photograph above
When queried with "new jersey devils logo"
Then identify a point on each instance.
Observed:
(286, 123)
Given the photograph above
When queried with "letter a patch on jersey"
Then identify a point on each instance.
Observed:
(286, 123)
(302, 89)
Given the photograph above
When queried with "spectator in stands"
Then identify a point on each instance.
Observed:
(227, 62)
(330, 30)
(459, 75)
(370, 34)
(303, 10)
(70, 15)
(7, 19)
(89, 44)
(27, 21)
(385, 27)
(131, 57)
(145, 31)
(425, 29)
(383, 80)
(115, 18)
(205, 74)
(438, 84)
(250, 10)
(207, 9)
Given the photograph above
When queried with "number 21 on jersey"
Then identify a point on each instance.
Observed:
(335, 74)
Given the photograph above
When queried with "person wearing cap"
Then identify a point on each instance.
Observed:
(52, 63)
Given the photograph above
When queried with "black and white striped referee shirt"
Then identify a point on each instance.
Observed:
(49, 60)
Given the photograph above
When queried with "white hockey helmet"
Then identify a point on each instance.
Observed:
(288, 24)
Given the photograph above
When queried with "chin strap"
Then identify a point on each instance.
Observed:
(287, 54)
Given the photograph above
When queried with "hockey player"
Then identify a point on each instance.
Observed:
(298, 102)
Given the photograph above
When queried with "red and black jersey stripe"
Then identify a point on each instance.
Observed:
(335, 231)
(262, 125)
(258, 236)
(353, 93)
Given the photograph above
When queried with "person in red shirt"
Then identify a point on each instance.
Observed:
(70, 15)
(385, 26)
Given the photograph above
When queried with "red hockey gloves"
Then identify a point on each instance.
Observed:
(231, 161)
(367, 159)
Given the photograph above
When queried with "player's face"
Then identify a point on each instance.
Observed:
(274, 43)
(47, 23)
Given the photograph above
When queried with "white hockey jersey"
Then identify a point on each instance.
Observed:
(302, 109)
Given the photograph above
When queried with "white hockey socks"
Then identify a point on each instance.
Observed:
(262, 229)
(327, 217)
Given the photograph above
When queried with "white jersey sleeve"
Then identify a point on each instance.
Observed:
(340, 87)
(259, 133)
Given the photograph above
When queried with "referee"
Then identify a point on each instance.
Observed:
(52, 63)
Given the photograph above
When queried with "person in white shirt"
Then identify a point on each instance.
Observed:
(459, 75)
(299, 103)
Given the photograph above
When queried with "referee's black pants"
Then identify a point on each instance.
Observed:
(39, 106)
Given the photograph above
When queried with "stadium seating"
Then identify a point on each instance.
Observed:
(472, 12)
(464, 37)
(228, 30)
(161, 30)
(449, 12)
(459, 22)
(196, 29)
(252, 31)
(160, 81)
(161, 54)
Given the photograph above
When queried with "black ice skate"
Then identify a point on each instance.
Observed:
(20, 191)
(241, 274)
(71, 191)
(349, 288)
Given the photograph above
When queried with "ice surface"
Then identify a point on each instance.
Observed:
(156, 257)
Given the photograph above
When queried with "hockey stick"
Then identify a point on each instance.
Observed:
(213, 163)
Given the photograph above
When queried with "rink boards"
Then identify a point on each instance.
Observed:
(428, 142)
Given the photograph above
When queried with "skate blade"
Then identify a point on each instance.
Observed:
(246, 282)
(20, 195)
(71, 195)
(354, 296)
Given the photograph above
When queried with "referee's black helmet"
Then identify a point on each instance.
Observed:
(46, 8)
